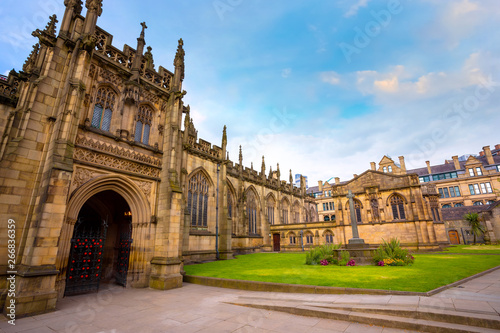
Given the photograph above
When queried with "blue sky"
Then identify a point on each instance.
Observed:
(324, 87)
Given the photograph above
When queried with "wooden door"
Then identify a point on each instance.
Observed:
(453, 234)
(276, 242)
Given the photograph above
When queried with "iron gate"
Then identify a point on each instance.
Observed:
(85, 259)
(123, 258)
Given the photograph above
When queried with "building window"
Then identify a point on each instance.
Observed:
(329, 238)
(479, 172)
(425, 179)
(293, 239)
(326, 218)
(488, 188)
(103, 108)
(229, 204)
(490, 202)
(357, 211)
(474, 189)
(454, 191)
(459, 204)
(471, 172)
(284, 212)
(385, 169)
(143, 124)
(309, 238)
(270, 214)
(252, 213)
(447, 206)
(498, 168)
(478, 203)
(198, 200)
(447, 175)
(325, 206)
(398, 208)
(332, 206)
(389, 168)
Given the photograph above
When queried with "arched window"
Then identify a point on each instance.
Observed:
(459, 204)
(229, 204)
(292, 238)
(446, 206)
(296, 213)
(332, 218)
(328, 237)
(103, 108)
(252, 213)
(357, 210)
(326, 218)
(270, 210)
(398, 208)
(490, 202)
(478, 203)
(143, 124)
(198, 200)
(309, 238)
(284, 212)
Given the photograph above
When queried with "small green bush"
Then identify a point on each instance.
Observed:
(392, 254)
(323, 252)
(344, 258)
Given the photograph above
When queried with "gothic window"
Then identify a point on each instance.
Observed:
(198, 200)
(229, 204)
(143, 124)
(103, 108)
(329, 237)
(326, 218)
(296, 213)
(270, 211)
(398, 208)
(357, 211)
(252, 213)
(309, 238)
(284, 212)
(292, 238)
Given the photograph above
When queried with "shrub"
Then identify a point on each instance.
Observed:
(351, 263)
(344, 258)
(322, 253)
(391, 253)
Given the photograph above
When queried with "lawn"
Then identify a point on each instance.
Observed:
(474, 249)
(427, 273)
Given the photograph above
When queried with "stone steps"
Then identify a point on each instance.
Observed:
(422, 319)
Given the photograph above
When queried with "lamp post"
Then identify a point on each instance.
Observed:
(217, 217)
(301, 239)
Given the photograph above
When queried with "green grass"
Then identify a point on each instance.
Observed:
(479, 248)
(427, 273)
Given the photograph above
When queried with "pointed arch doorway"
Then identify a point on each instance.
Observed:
(100, 245)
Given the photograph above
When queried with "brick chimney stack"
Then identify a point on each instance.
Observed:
(402, 162)
(320, 185)
(487, 153)
(373, 166)
(428, 167)
(337, 180)
(456, 162)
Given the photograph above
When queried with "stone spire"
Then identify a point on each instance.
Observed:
(270, 172)
(241, 157)
(278, 173)
(136, 65)
(94, 10)
(224, 136)
(30, 63)
(179, 63)
(73, 8)
(263, 169)
(291, 177)
(47, 36)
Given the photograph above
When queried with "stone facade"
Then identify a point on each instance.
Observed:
(386, 205)
(96, 139)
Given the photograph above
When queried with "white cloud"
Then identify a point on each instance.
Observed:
(353, 10)
(330, 77)
(286, 72)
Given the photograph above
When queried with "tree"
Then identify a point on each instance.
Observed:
(475, 225)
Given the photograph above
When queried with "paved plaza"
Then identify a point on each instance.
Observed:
(196, 308)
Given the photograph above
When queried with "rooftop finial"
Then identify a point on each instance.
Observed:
(144, 27)
(241, 156)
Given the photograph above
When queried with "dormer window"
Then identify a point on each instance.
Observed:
(385, 169)
(479, 172)
(389, 168)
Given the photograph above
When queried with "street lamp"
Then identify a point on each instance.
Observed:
(217, 217)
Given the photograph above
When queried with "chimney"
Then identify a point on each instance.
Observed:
(337, 180)
(497, 146)
(402, 162)
(373, 165)
(428, 167)
(320, 185)
(355, 175)
(489, 157)
(456, 162)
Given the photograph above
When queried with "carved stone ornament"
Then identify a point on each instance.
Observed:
(94, 6)
(75, 4)
(81, 176)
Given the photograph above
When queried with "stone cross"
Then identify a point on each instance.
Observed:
(354, 223)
